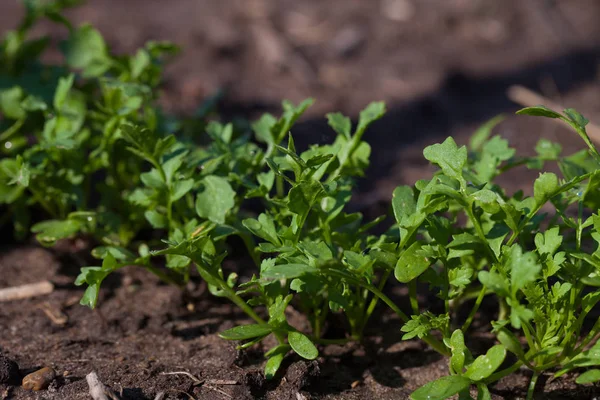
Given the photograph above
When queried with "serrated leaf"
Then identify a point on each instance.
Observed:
(370, 114)
(449, 157)
(93, 277)
(524, 267)
(545, 187)
(216, 200)
(494, 281)
(549, 241)
(340, 123)
(85, 49)
(302, 345)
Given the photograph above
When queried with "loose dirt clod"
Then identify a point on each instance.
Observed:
(9, 370)
(39, 379)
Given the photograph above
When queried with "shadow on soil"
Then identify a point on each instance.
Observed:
(460, 100)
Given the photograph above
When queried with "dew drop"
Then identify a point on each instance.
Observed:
(8, 145)
(89, 219)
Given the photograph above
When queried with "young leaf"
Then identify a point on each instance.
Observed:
(485, 365)
(216, 200)
(403, 203)
(274, 358)
(449, 157)
(340, 124)
(302, 345)
(244, 332)
(591, 376)
(442, 388)
(93, 277)
(411, 264)
(49, 232)
(545, 187)
(370, 114)
(459, 351)
(539, 111)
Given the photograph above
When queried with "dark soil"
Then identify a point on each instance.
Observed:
(143, 330)
(442, 66)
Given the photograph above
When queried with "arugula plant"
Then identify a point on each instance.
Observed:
(84, 145)
(60, 131)
(540, 265)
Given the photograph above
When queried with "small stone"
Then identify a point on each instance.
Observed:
(9, 370)
(348, 41)
(398, 10)
(39, 379)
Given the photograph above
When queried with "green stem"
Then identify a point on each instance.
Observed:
(319, 340)
(374, 301)
(505, 372)
(251, 247)
(532, 384)
(412, 295)
(40, 199)
(430, 340)
(474, 310)
(163, 276)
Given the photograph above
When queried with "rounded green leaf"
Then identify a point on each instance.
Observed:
(459, 351)
(275, 357)
(591, 376)
(244, 332)
(442, 388)
(484, 366)
(302, 345)
(411, 264)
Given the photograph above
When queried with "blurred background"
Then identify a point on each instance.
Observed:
(442, 66)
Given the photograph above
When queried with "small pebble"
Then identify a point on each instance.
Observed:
(9, 370)
(39, 379)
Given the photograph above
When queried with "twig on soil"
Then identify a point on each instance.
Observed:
(207, 383)
(528, 98)
(199, 382)
(98, 390)
(54, 314)
(196, 380)
(160, 396)
(26, 291)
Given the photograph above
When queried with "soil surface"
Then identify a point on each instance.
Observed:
(442, 66)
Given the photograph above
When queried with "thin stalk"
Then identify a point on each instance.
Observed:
(319, 340)
(474, 310)
(162, 276)
(505, 372)
(532, 384)
(251, 247)
(430, 340)
(374, 301)
(412, 295)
